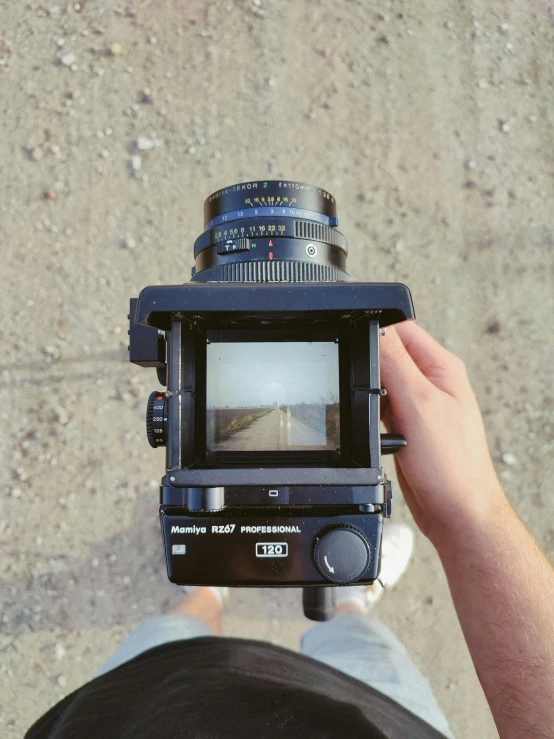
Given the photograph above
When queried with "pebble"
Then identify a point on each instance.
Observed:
(49, 194)
(62, 681)
(504, 126)
(51, 351)
(61, 415)
(116, 49)
(59, 651)
(128, 241)
(15, 492)
(509, 459)
(503, 27)
(95, 562)
(505, 475)
(153, 40)
(146, 95)
(105, 154)
(532, 118)
(143, 143)
(449, 24)
(135, 162)
(68, 60)
(471, 164)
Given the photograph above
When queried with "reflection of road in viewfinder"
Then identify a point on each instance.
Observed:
(302, 436)
(276, 431)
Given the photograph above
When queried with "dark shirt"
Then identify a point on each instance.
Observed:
(208, 688)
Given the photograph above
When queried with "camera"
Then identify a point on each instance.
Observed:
(268, 363)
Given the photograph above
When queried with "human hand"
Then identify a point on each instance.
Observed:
(445, 471)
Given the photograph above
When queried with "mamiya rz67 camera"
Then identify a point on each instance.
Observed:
(269, 412)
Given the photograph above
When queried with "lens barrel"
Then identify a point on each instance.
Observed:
(270, 231)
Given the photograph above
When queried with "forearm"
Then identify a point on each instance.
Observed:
(503, 590)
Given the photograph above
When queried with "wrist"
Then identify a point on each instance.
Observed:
(469, 525)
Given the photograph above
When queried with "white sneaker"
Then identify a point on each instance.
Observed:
(397, 548)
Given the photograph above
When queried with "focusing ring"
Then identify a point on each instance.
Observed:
(277, 271)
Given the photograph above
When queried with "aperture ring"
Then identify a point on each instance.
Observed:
(274, 227)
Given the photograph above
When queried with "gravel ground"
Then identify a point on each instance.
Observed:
(433, 127)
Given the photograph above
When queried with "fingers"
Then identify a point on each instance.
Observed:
(425, 350)
(399, 372)
(444, 369)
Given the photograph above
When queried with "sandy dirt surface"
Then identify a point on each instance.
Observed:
(431, 123)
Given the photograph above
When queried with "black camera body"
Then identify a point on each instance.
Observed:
(270, 416)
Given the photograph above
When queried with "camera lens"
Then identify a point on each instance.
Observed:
(270, 231)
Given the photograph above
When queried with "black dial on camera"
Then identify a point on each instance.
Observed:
(342, 554)
(156, 419)
(270, 231)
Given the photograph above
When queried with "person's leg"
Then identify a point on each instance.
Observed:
(361, 646)
(198, 614)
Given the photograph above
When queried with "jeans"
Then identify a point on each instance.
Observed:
(354, 643)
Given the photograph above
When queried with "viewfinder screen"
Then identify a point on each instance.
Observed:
(265, 396)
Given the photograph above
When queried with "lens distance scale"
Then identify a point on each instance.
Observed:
(249, 196)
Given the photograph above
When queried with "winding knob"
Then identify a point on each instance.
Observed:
(342, 554)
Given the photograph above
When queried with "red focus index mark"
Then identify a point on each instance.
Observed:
(271, 243)
(160, 397)
(270, 256)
